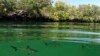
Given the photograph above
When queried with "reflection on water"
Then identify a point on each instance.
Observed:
(81, 40)
(75, 32)
(51, 31)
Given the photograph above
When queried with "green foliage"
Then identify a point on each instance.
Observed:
(59, 12)
(82, 12)
(89, 12)
(32, 6)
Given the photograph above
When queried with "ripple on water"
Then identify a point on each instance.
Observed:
(76, 32)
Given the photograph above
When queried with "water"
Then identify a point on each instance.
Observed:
(50, 39)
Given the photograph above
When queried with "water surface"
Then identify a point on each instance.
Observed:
(50, 39)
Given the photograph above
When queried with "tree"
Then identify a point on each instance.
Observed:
(9, 5)
(73, 13)
(89, 12)
(61, 11)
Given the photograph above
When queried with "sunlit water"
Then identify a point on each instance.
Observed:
(50, 39)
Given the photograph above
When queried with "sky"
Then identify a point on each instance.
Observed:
(77, 2)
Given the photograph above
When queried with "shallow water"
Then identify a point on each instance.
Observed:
(50, 39)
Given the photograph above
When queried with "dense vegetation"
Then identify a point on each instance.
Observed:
(43, 10)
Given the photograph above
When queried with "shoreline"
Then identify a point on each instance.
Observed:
(24, 19)
(41, 19)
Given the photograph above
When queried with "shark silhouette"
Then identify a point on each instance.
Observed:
(28, 49)
(53, 43)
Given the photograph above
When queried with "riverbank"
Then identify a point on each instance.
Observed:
(19, 19)
(25, 17)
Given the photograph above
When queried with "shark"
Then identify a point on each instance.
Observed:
(28, 49)
(53, 43)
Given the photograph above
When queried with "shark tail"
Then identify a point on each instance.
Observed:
(28, 47)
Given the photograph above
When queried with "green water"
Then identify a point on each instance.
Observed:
(50, 39)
